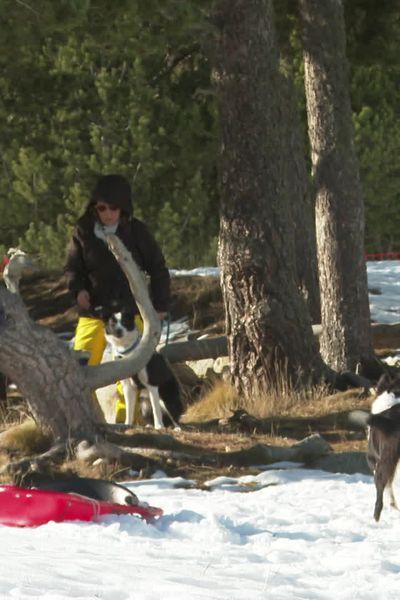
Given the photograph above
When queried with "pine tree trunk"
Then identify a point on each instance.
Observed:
(3, 391)
(346, 336)
(267, 320)
(303, 209)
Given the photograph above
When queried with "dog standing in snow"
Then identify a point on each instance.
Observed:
(157, 377)
(384, 439)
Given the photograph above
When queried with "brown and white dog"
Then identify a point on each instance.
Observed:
(157, 377)
(384, 439)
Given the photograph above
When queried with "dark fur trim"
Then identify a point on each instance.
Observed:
(384, 423)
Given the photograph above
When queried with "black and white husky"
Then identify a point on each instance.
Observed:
(157, 377)
(384, 439)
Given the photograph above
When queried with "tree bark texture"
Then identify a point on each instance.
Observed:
(345, 317)
(267, 320)
(3, 391)
(47, 374)
(302, 206)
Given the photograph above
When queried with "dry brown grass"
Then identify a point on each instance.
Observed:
(283, 400)
(289, 415)
(26, 438)
(280, 401)
(20, 439)
(219, 402)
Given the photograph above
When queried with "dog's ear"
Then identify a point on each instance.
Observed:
(395, 386)
(388, 383)
(383, 384)
(128, 320)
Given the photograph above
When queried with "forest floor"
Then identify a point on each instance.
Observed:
(199, 299)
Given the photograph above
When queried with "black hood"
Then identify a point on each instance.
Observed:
(115, 190)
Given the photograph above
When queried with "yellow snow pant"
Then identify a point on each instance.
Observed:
(90, 337)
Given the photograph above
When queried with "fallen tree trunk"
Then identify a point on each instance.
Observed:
(195, 349)
(383, 335)
(305, 451)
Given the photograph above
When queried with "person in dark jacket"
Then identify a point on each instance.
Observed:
(94, 276)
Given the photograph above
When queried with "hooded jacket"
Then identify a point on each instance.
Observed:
(91, 266)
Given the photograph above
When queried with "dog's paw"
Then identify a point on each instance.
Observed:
(154, 427)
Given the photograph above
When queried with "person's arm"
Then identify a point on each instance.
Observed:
(75, 273)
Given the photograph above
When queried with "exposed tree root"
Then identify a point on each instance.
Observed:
(167, 446)
(82, 450)
(160, 441)
(156, 451)
(36, 464)
(305, 451)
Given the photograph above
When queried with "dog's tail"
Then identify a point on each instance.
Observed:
(171, 397)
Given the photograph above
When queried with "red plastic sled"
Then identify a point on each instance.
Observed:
(22, 507)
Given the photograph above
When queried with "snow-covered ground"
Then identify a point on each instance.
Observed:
(301, 534)
(384, 277)
(287, 533)
(383, 283)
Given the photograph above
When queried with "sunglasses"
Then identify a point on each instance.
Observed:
(103, 207)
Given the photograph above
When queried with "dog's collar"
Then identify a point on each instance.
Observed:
(122, 353)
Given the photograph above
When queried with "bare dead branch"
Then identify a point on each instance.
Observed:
(107, 373)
